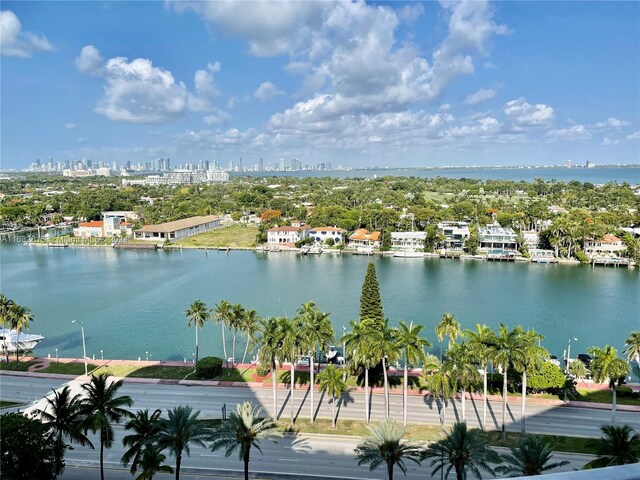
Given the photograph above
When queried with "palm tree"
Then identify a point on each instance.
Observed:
(506, 349)
(448, 327)
(19, 318)
(358, 342)
(619, 445)
(331, 382)
(319, 333)
(608, 367)
(151, 462)
(385, 444)
(386, 347)
(222, 313)
(249, 326)
(62, 414)
(270, 343)
(101, 407)
(197, 315)
(235, 323)
(578, 369)
(530, 456)
(528, 356)
(244, 429)
(632, 350)
(441, 382)
(180, 429)
(465, 372)
(294, 343)
(482, 342)
(462, 450)
(145, 427)
(5, 309)
(412, 344)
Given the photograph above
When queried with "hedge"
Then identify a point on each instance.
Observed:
(209, 367)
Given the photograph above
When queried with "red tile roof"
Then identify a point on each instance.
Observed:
(608, 238)
(364, 234)
(94, 224)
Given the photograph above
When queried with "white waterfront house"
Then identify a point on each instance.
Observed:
(115, 223)
(92, 229)
(407, 241)
(178, 229)
(287, 235)
(455, 234)
(607, 246)
(363, 238)
(320, 235)
(493, 236)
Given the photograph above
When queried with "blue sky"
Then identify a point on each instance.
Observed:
(352, 83)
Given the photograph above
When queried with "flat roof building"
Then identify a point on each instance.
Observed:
(178, 229)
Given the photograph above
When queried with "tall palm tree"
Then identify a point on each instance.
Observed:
(619, 445)
(386, 347)
(197, 315)
(530, 456)
(385, 445)
(179, 430)
(270, 342)
(465, 372)
(249, 326)
(528, 357)
(608, 367)
(62, 414)
(151, 461)
(632, 349)
(19, 318)
(482, 344)
(319, 333)
(358, 343)
(412, 344)
(244, 429)
(440, 381)
(101, 408)
(5, 309)
(294, 344)
(145, 428)
(506, 349)
(461, 450)
(448, 327)
(222, 314)
(235, 323)
(331, 382)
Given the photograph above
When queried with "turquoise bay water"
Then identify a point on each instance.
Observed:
(133, 302)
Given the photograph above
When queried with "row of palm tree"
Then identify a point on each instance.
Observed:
(99, 407)
(14, 317)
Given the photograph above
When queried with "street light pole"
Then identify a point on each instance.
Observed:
(569, 352)
(84, 347)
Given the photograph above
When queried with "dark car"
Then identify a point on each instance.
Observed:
(586, 359)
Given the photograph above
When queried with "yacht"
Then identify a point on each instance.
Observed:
(22, 342)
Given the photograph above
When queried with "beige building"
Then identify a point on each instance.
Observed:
(178, 229)
(607, 246)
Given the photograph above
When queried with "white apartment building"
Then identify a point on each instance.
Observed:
(407, 241)
(279, 235)
(494, 236)
(455, 234)
(320, 235)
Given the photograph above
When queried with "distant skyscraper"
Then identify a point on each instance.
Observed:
(261, 165)
(240, 164)
(282, 164)
(569, 163)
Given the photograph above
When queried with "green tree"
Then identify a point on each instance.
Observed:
(249, 325)
(412, 345)
(464, 371)
(506, 349)
(144, 427)
(550, 377)
(530, 456)
(294, 344)
(387, 349)
(358, 343)
(101, 408)
(632, 349)
(19, 318)
(319, 335)
(482, 344)
(179, 430)
(235, 322)
(197, 315)
(618, 445)
(608, 367)
(385, 244)
(27, 450)
(270, 341)
(370, 301)
(528, 357)
(385, 445)
(440, 381)
(331, 382)
(472, 244)
(151, 461)
(244, 429)
(432, 238)
(5, 311)
(576, 369)
(62, 414)
(448, 327)
(222, 314)
(461, 450)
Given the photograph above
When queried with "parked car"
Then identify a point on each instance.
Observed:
(305, 361)
(586, 359)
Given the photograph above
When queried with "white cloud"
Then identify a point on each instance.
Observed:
(217, 118)
(575, 132)
(89, 61)
(612, 122)
(16, 43)
(267, 91)
(70, 125)
(608, 142)
(480, 96)
(634, 136)
(525, 114)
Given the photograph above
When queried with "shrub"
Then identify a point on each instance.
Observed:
(262, 371)
(626, 392)
(208, 367)
(581, 256)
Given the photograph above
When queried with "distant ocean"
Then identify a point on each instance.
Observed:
(629, 174)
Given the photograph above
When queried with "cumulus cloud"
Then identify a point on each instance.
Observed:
(634, 136)
(16, 43)
(612, 122)
(575, 132)
(524, 114)
(606, 141)
(217, 117)
(480, 96)
(267, 91)
(89, 61)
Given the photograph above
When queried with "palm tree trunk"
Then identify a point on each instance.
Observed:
(613, 405)
(101, 459)
(245, 459)
(233, 348)
(386, 388)
(59, 453)
(224, 344)
(444, 410)
(18, 346)
(333, 413)
(484, 398)
(293, 386)
(178, 462)
(196, 343)
(523, 409)
(366, 395)
(464, 405)
(404, 393)
(246, 349)
(504, 402)
(274, 379)
(312, 371)
(390, 470)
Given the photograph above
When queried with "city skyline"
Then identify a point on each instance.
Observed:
(346, 83)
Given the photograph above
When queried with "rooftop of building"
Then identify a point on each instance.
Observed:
(179, 224)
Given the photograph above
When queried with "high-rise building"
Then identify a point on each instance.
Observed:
(282, 164)
(261, 165)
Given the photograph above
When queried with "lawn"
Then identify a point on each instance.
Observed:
(7, 404)
(154, 371)
(603, 396)
(234, 236)
(16, 367)
(73, 368)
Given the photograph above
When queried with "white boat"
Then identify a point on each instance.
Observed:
(315, 250)
(12, 341)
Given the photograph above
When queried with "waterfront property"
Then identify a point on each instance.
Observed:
(607, 246)
(93, 229)
(178, 229)
(113, 224)
(320, 235)
(455, 234)
(288, 235)
(364, 238)
(407, 241)
(494, 237)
